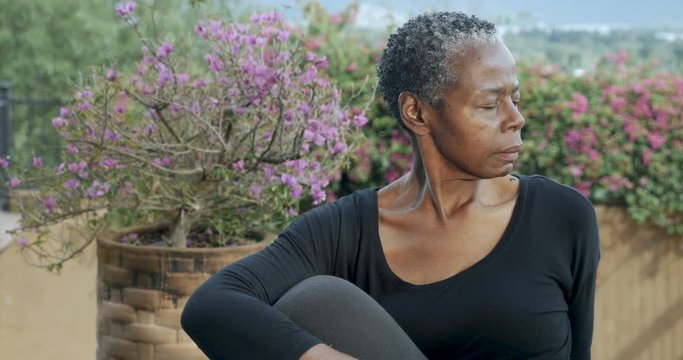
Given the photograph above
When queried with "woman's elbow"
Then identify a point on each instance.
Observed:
(193, 317)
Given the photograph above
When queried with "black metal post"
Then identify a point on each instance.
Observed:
(5, 138)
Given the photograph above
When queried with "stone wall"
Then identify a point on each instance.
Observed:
(639, 298)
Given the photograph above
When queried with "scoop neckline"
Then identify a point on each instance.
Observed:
(500, 247)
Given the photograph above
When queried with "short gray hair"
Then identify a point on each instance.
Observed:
(419, 56)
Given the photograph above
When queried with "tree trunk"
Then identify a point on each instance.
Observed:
(181, 229)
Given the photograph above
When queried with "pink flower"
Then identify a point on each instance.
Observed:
(294, 186)
(125, 9)
(270, 17)
(572, 138)
(584, 188)
(352, 67)
(618, 58)
(579, 104)
(111, 75)
(593, 155)
(97, 189)
(339, 148)
(72, 149)
(314, 43)
(662, 120)
(238, 165)
(201, 30)
(22, 241)
(318, 195)
(283, 35)
(182, 78)
(321, 63)
(72, 184)
(4, 164)
(84, 94)
(642, 108)
(150, 129)
(391, 175)
(615, 183)
(576, 171)
(14, 182)
(58, 122)
(359, 120)
(164, 50)
(308, 75)
(304, 109)
(618, 104)
(164, 78)
(647, 157)
(162, 161)
(50, 204)
(84, 106)
(297, 165)
(37, 161)
(288, 179)
(215, 64)
(255, 191)
(108, 163)
(111, 136)
(656, 140)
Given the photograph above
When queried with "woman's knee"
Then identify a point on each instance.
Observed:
(319, 292)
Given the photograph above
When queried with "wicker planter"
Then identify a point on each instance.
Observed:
(141, 292)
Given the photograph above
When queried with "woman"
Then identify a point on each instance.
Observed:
(458, 258)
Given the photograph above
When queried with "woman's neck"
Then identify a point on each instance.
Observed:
(433, 187)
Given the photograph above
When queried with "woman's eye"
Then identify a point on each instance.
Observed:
(489, 107)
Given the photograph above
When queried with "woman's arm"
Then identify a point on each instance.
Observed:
(231, 315)
(584, 264)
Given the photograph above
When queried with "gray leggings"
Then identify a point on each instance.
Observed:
(347, 319)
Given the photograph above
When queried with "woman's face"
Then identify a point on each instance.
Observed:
(477, 130)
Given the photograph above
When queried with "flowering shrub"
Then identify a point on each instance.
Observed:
(615, 135)
(215, 141)
(352, 54)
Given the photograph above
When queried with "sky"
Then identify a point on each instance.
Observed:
(648, 13)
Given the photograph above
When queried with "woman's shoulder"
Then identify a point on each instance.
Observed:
(557, 207)
(547, 189)
(549, 198)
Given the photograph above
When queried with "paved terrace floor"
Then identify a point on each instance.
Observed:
(45, 315)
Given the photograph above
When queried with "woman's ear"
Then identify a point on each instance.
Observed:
(412, 113)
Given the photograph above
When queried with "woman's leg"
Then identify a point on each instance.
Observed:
(347, 319)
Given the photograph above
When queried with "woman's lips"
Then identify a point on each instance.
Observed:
(510, 154)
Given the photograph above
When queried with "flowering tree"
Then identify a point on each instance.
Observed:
(353, 54)
(211, 150)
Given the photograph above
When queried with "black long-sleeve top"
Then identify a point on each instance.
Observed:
(530, 298)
